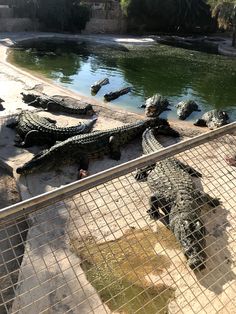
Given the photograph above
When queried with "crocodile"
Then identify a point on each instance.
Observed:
(176, 195)
(97, 85)
(113, 95)
(213, 119)
(1, 106)
(33, 129)
(81, 148)
(58, 103)
(155, 105)
(185, 108)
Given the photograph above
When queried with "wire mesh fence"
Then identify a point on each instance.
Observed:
(91, 247)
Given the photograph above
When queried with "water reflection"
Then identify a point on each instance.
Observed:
(173, 72)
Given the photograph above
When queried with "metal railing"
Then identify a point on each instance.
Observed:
(91, 247)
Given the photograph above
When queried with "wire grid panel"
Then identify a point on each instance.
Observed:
(100, 252)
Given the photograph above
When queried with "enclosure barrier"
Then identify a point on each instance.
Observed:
(91, 247)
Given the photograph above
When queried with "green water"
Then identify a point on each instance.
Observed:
(173, 72)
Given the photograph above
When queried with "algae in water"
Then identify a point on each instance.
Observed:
(119, 270)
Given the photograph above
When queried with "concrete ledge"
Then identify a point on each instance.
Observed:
(227, 50)
(4, 165)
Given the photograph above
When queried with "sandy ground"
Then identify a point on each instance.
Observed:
(106, 213)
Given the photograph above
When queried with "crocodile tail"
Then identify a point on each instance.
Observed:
(154, 122)
(150, 142)
(165, 130)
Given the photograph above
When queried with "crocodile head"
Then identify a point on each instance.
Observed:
(194, 244)
(27, 98)
(190, 232)
(185, 108)
(217, 119)
(38, 162)
(156, 105)
(213, 119)
(89, 110)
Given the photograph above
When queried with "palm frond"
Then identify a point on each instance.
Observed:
(225, 14)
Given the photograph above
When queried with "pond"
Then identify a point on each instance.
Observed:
(176, 73)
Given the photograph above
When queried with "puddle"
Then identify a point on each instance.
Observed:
(119, 270)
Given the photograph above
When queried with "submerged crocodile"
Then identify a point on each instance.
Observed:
(81, 148)
(33, 129)
(185, 108)
(155, 105)
(113, 95)
(97, 85)
(175, 194)
(59, 103)
(213, 119)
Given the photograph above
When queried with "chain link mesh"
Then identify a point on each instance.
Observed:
(100, 252)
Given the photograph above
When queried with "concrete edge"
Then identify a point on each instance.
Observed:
(229, 52)
(6, 166)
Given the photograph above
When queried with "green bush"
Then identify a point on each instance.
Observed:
(167, 15)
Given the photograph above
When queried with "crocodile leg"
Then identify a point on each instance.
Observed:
(83, 167)
(203, 198)
(154, 211)
(114, 146)
(18, 140)
(142, 174)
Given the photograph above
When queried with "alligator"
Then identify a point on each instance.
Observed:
(1, 106)
(33, 129)
(81, 148)
(213, 119)
(97, 85)
(176, 195)
(113, 95)
(185, 108)
(58, 103)
(155, 105)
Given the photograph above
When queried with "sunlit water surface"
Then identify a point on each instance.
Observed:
(176, 73)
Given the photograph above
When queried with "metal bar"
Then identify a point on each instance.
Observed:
(71, 189)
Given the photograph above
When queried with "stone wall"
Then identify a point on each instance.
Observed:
(105, 17)
(105, 26)
(5, 12)
(16, 25)
(8, 23)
